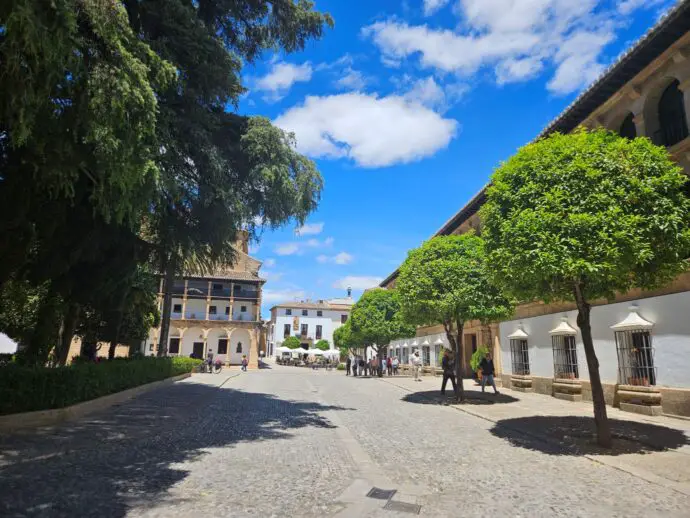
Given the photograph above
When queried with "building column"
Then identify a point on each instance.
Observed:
(208, 300)
(184, 300)
(253, 349)
(205, 335)
(182, 332)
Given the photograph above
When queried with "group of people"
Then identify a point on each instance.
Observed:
(356, 365)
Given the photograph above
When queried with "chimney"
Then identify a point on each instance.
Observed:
(349, 292)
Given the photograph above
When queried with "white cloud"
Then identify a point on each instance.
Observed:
(357, 282)
(516, 38)
(427, 92)
(281, 78)
(297, 247)
(628, 6)
(287, 249)
(341, 258)
(309, 229)
(352, 80)
(281, 295)
(431, 6)
(372, 131)
(269, 263)
(271, 276)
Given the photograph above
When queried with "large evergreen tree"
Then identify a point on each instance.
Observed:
(116, 121)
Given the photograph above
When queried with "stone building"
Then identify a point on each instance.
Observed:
(218, 312)
(642, 338)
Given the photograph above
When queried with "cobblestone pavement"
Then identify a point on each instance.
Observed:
(291, 442)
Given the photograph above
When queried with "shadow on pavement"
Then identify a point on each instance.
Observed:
(575, 435)
(434, 397)
(106, 463)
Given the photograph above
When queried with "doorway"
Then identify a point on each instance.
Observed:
(198, 350)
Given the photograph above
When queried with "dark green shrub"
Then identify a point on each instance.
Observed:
(24, 389)
(341, 367)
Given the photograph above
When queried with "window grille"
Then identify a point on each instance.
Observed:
(286, 330)
(222, 346)
(239, 347)
(564, 357)
(635, 357)
(520, 355)
(288, 312)
(318, 332)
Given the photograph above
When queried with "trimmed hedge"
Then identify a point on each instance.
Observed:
(25, 389)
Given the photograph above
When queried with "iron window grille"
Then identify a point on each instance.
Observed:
(239, 347)
(635, 357)
(222, 346)
(519, 353)
(426, 355)
(319, 331)
(564, 357)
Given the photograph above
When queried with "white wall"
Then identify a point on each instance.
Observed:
(670, 339)
(329, 322)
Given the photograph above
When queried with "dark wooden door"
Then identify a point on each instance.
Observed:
(198, 350)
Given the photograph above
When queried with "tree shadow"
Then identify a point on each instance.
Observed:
(434, 397)
(125, 456)
(575, 435)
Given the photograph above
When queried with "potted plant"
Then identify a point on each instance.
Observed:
(476, 360)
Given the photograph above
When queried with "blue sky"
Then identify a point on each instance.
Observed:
(407, 107)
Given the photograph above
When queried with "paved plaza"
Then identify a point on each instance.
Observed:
(293, 442)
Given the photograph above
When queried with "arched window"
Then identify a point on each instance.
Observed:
(628, 129)
(673, 123)
(239, 347)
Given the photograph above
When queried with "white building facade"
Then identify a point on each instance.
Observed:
(310, 321)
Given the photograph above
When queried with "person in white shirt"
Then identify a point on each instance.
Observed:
(416, 363)
(396, 362)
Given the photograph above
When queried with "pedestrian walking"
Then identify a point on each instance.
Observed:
(416, 363)
(395, 364)
(348, 366)
(488, 372)
(354, 366)
(374, 366)
(389, 366)
(245, 362)
(448, 372)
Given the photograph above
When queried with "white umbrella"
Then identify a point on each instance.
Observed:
(284, 350)
(332, 352)
(315, 352)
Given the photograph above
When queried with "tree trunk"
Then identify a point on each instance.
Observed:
(459, 355)
(45, 333)
(168, 281)
(69, 325)
(456, 343)
(380, 357)
(583, 322)
(118, 314)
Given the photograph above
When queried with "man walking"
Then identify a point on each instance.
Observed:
(416, 363)
(448, 372)
(389, 366)
(348, 366)
(488, 372)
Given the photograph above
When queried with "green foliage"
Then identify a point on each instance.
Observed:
(344, 338)
(589, 209)
(477, 356)
(291, 342)
(25, 389)
(323, 345)
(376, 318)
(446, 280)
(341, 367)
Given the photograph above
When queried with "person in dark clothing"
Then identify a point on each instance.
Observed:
(448, 372)
(488, 372)
(348, 366)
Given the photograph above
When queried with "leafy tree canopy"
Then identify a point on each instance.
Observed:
(590, 209)
(376, 318)
(323, 345)
(344, 338)
(446, 280)
(291, 342)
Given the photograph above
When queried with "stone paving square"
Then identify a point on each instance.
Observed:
(290, 442)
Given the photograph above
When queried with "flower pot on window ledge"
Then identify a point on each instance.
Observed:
(639, 382)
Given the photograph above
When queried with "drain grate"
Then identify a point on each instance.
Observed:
(402, 507)
(381, 494)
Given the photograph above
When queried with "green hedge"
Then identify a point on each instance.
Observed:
(24, 389)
